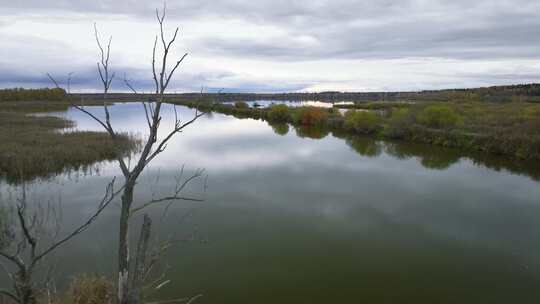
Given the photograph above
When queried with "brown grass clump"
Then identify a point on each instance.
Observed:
(90, 289)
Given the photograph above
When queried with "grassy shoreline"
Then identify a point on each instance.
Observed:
(510, 129)
(32, 146)
(505, 128)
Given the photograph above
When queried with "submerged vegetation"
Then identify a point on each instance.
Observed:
(511, 129)
(35, 146)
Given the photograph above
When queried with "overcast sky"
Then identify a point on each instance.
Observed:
(278, 45)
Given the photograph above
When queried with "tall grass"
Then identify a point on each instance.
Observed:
(31, 146)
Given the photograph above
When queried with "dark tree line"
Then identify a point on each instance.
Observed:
(20, 94)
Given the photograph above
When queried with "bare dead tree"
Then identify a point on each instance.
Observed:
(28, 236)
(103, 64)
(131, 273)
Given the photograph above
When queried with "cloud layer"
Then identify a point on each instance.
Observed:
(281, 45)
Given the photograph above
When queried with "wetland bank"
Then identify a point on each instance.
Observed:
(345, 216)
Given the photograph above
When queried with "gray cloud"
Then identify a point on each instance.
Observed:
(304, 31)
(86, 77)
(483, 32)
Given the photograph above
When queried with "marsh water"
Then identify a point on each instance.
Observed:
(308, 216)
(294, 103)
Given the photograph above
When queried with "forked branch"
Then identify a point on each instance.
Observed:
(103, 64)
(177, 193)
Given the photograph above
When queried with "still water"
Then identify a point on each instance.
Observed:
(293, 103)
(307, 216)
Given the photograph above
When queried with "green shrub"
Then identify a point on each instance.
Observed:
(362, 121)
(310, 116)
(438, 116)
(241, 105)
(399, 122)
(279, 113)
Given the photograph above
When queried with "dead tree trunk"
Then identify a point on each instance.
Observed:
(140, 267)
(128, 281)
(128, 291)
(23, 287)
(123, 245)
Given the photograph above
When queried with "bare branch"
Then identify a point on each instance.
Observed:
(101, 73)
(174, 69)
(193, 299)
(53, 80)
(176, 196)
(173, 38)
(177, 129)
(69, 82)
(106, 125)
(147, 115)
(103, 64)
(128, 84)
(21, 215)
(96, 34)
(142, 250)
(94, 117)
(154, 64)
(108, 51)
(15, 259)
(110, 195)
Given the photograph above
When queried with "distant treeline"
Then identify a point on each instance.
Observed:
(526, 93)
(501, 94)
(20, 94)
(513, 93)
(523, 93)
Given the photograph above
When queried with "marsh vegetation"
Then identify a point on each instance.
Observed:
(40, 146)
(511, 129)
